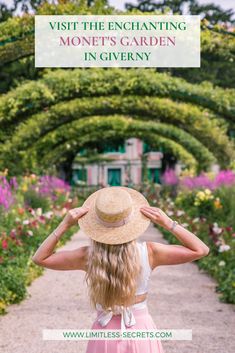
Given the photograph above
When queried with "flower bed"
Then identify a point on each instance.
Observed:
(205, 206)
(30, 208)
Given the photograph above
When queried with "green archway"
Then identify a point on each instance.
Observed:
(40, 119)
(52, 147)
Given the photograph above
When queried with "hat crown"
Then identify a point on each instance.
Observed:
(113, 204)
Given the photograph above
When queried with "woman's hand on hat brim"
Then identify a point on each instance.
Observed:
(74, 215)
(157, 216)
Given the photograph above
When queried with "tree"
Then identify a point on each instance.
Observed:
(213, 13)
(18, 5)
(26, 6)
(151, 5)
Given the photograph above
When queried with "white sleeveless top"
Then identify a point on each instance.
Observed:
(142, 284)
(127, 316)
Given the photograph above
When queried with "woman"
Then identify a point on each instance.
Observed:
(117, 266)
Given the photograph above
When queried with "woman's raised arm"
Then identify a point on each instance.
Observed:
(192, 247)
(61, 260)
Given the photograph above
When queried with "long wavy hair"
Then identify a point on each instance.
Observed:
(112, 273)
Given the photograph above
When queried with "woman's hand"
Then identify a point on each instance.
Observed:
(74, 215)
(156, 215)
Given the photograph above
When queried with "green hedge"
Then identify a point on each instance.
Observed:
(17, 274)
(185, 116)
(15, 29)
(200, 219)
(31, 207)
(217, 44)
(61, 85)
(94, 131)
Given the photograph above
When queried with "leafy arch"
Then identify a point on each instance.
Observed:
(62, 85)
(64, 142)
(185, 117)
(189, 120)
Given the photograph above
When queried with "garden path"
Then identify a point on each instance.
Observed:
(179, 297)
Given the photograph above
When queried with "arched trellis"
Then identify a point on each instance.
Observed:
(189, 120)
(94, 130)
(63, 85)
(90, 130)
(64, 154)
(194, 121)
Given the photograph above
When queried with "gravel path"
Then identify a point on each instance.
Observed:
(179, 297)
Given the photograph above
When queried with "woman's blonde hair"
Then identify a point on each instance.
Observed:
(112, 272)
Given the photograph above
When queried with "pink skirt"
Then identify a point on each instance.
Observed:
(144, 321)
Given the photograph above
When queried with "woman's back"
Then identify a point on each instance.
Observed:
(127, 317)
(114, 218)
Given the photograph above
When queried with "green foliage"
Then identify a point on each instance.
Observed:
(211, 12)
(217, 46)
(227, 195)
(199, 203)
(34, 200)
(208, 214)
(7, 11)
(37, 108)
(95, 129)
(225, 275)
(16, 28)
(17, 72)
(118, 92)
(22, 231)
(187, 117)
(60, 85)
(12, 284)
(17, 272)
(218, 265)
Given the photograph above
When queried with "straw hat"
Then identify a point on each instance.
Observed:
(114, 215)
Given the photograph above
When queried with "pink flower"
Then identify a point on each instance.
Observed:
(13, 233)
(224, 177)
(170, 177)
(4, 244)
(31, 210)
(34, 224)
(42, 219)
(216, 229)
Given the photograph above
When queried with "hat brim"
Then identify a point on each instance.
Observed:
(136, 225)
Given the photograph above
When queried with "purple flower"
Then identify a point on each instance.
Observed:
(6, 196)
(13, 183)
(170, 177)
(200, 181)
(224, 177)
(49, 186)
